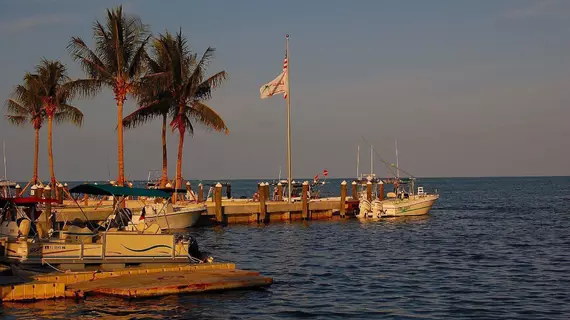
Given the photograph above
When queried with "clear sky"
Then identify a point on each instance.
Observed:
(469, 88)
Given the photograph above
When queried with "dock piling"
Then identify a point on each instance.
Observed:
(218, 203)
(18, 191)
(279, 192)
(343, 199)
(60, 193)
(40, 191)
(263, 216)
(47, 210)
(354, 191)
(200, 193)
(305, 200)
(380, 190)
(369, 191)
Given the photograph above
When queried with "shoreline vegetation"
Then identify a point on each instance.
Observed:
(168, 80)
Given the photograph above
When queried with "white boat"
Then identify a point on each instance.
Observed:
(405, 205)
(404, 201)
(169, 216)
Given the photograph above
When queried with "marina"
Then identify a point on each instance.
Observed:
(244, 119)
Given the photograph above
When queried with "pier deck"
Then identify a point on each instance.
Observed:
(132, 283)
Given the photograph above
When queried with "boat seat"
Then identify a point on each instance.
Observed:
(391, 195)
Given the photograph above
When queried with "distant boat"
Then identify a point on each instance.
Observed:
(405, 200)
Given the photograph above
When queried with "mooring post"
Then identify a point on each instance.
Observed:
(279, 192)
(305, 200)
(262, 206)
(343, 199)
(18, 191)
(381, 190)
(218, 203)
(369, 191)
(85, 198)
(40, 191)
(60, 193)
(188, 187)
(200, 193)
(266, 189)
(354, 191)
(66, 188)
(47, 213)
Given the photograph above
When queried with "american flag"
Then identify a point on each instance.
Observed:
(285, 70)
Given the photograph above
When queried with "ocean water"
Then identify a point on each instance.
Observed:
(492, 248)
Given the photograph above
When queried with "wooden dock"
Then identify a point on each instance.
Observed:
(132, 283)
(231, 211)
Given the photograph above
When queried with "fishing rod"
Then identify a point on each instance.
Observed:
(390, 165)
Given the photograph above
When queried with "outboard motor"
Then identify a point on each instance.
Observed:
(194, 251)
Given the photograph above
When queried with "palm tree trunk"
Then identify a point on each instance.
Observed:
(50, 152)
(121, 178)
(164, 178)
(179, 161)
(36, 154)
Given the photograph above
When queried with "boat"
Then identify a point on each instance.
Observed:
(169, 216)
(114, 243)
(404, 200)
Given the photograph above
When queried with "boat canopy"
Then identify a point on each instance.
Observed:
(110, 190)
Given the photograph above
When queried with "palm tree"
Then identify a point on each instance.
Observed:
(117, 62)
(55, 89)
(182, 85)
(25, 107)
(178, 87)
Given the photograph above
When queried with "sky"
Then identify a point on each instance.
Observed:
(468, 88)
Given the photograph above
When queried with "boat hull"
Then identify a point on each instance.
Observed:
(416, 206)
(411, 207)
(113, 247)
(183, 218)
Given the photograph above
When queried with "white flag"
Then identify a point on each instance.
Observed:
(277, 86)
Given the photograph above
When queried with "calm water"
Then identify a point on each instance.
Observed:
(491, 248)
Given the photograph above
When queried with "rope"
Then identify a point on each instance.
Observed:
(54, 268)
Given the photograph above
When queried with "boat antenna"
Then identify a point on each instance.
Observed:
(357, 160)
(371, 159)
(279, 175)
(4, 152)
(397, 163)
(388, 164)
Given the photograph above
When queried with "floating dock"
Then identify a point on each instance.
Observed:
(132, 283)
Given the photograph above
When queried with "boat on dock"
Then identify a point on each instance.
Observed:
(31, 244)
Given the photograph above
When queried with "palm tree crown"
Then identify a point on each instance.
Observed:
(117, 61)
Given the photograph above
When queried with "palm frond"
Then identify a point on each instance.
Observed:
(17, 120)
(204, 89)
(207, 116)
(84, 88)
(69, 113)
(16, 108)
(145, 114)
(89, 61)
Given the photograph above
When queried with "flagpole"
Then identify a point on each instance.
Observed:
(289, 170)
